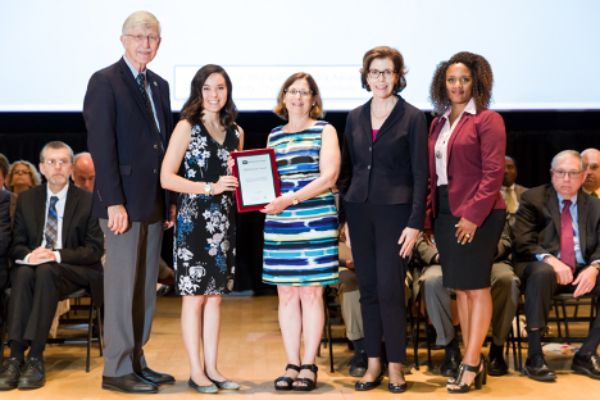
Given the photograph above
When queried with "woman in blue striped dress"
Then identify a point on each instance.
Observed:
(300, 253)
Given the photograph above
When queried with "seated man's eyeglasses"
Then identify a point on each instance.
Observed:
(572, 174)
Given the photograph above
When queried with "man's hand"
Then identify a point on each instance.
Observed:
(41, 254)
(118, 220)
(171, 223)
(350, 264)
(564, 274)
(585, 282)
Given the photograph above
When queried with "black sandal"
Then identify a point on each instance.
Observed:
(286, 379)
(307, 384)
(480, 379)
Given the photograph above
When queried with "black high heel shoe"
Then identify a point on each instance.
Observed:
(288, 381)
(307, 384)
(479, 380)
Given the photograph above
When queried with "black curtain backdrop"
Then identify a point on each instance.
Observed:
(533, 138)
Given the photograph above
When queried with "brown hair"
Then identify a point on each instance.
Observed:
(315, 112)
(192, 109)
(483, 80)
(391, 54)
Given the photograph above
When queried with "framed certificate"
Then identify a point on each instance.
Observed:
(257, 174)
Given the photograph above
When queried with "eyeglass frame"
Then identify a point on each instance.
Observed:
(294, 92)
(379, 73)
(561, 174)
(61, 162)
(142, 38)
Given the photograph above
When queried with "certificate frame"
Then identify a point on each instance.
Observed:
(240, 156)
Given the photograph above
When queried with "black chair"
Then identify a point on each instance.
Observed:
(94, 324)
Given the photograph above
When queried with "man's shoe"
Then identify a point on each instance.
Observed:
(33, 375)
(130, 383)
(497, 366)
(358, 365)
(449, 367)
(10, 373)
(537, 369)
(588, 364)
(156, 377)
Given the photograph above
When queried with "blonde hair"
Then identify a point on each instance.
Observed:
(36, 178)
(140, 18)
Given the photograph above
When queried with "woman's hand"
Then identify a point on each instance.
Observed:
(225, 183)
(407, 240)
(230, 164)
(278, 205)
(465, 231)
(429, 237)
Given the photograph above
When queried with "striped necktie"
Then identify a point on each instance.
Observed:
(141, 80)
(51, 231)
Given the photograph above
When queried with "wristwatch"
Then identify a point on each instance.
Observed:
(596, 266)
(208, 189)
(295, 200)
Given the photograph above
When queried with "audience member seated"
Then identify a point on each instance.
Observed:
(5, 233)
(444, 315)
(22, 176)
(4, 168)
(62, 247)
(557, 250)
(84, 174)
(350, 301)
(511, 192)
(591, 185)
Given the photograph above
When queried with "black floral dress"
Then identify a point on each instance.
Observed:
(204, 251)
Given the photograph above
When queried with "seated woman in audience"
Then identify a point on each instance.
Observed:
(466, 167)
(300, 242)
(22, 176)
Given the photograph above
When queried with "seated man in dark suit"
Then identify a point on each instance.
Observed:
(556, 244)
(511, 191)
(62, 246)
(4, 239)
(444, 315)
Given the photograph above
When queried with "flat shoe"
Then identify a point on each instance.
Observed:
(210, 389)
(397, 388)
(362, 386)
(226, 385)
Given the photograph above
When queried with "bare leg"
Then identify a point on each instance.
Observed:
(290, 322)
(191, 329)
(313, 319)
(462, 303)
(479, 319)
(211, 327)
(373, 369)
(395, 373)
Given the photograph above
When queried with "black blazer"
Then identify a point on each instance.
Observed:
(391, 170)
(82, 238)
(5, 233)
(536, 229)
(122, 140)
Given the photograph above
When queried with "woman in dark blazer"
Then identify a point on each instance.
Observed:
(466, 168)
(383, 182)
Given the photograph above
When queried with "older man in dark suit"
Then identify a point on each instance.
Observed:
(60, 247)
(127, 112)
(556, 239)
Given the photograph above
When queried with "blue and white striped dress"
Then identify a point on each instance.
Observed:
(301, 243)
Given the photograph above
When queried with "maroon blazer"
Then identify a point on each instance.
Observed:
(475, 165)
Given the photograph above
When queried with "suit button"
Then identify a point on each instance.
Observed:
(369, 167)
(155, 146)
(156, 171)
(450, 178)
(370, 148)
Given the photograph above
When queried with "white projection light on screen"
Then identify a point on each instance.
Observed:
(542, 56)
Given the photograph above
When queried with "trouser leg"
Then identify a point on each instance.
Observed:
(540, 284)
(20, 303)
(505, 297)
(437, 301)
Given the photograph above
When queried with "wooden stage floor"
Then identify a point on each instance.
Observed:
(251, 353)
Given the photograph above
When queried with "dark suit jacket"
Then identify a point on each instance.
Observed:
(5, 236)
(475, 165)
(537, 226)
(122, 140)
(393, 168)
(82, 238)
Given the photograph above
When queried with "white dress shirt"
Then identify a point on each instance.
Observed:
(60, 212)
(441, 146)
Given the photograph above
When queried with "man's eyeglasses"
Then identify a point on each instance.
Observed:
(141, 38)
(572, 174)
(61, 162)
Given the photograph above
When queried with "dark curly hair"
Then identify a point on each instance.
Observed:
(483, 80)
(192, 109)
(391, 54)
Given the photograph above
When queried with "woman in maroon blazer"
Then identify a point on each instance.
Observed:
(466, 168)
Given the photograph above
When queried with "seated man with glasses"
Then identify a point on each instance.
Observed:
(557, 250)
(60, 246)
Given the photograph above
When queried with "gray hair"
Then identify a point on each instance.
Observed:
(79, 155)
(567, 153)
(55, 146)
(140, 18)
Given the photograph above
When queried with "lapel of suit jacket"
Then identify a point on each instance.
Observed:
(157, 102)
(132, 85)
(40, 212)
(365, 120)
(395, 116)
(554, 209)
(70, 207)
(455, 134)
(581, 221)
